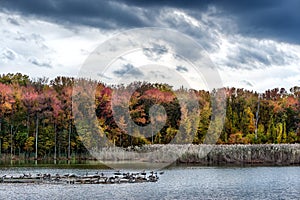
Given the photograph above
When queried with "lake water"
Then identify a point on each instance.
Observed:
(175, 183)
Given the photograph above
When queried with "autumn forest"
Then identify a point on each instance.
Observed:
(37, 120)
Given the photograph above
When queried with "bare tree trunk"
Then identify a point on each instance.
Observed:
(130, 134)
(27, 125)
(69, 140)
(11, 141)
(55, 147)
(151, 134)
(257, 116)
(36, 136)
(0, 137)
(59, 147)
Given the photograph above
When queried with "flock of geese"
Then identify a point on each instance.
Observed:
(96, 178)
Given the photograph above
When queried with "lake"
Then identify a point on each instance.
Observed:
(176, 183)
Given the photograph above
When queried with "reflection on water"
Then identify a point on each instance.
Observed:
(176, 183)
(53, 164)
(83, 164)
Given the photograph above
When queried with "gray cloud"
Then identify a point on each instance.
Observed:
(21, 38)
(13, 21)
(245, 58)
(39, 63)
(155, 52)
(8, 54)
(248, 83)
(103, 76)
(36, 38)
(128, 70)
(157, 75)
(252, 54)
(181, 69)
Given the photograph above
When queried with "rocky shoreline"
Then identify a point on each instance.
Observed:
(98, 178)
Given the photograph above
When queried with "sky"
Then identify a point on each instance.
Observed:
(253, 44)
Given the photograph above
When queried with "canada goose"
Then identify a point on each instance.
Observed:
(117, 173)
(72, 175)
(2, 178)
(26, 175)
(111, 179)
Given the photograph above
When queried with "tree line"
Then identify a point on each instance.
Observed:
(36, 118)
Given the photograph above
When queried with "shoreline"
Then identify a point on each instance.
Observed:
(187, 155)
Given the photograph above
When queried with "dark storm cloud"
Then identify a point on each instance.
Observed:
(275, 19)
(128, 70)
(102, 14)
(170, 3)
